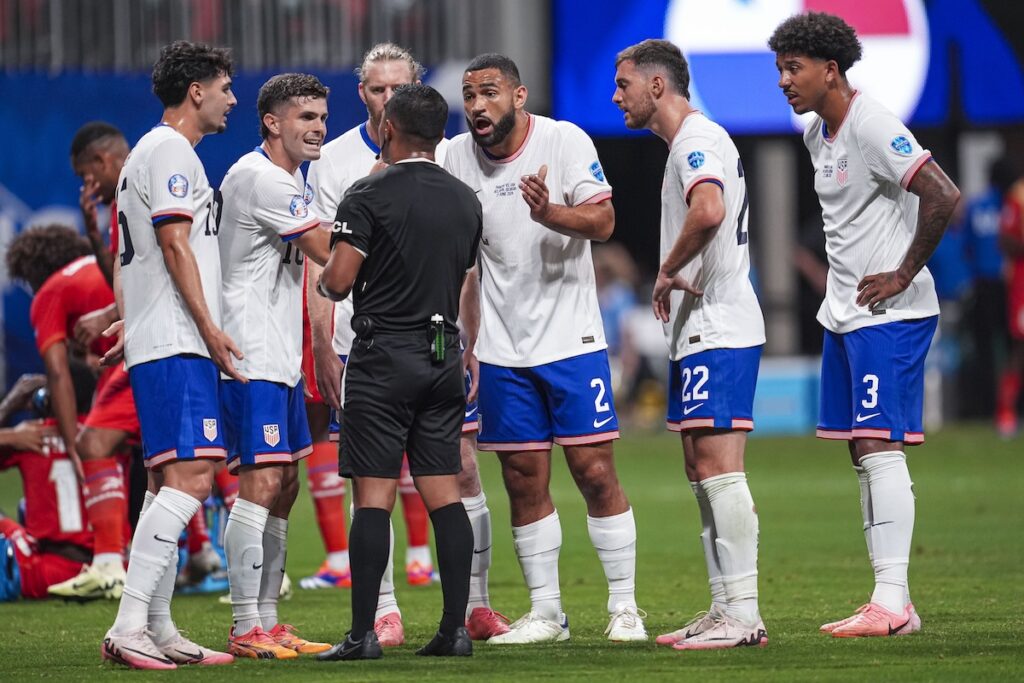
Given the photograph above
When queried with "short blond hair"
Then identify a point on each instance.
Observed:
(389, 52)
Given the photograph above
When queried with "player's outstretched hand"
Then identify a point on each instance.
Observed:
(874, 289)
(91, 326)
(471, 365)
(87, 201)
(222, 348)
(535, 192)
(116, 353)
(328, 368)
(661, 299)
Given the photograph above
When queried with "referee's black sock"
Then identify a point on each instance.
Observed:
(453, 536)
(368, 542)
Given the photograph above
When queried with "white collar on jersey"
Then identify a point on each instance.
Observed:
(412, 159)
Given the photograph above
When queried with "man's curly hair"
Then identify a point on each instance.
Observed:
(39, 252)
(183, 63)
(817, 35)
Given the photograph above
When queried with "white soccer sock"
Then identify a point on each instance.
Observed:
(338, 561)
(480, 520)
(614, 539)
(419, 553)
(736, 529)
(707, 539)
(865, 512)
(160, 622)
(537, 546)
(243, 545)
(275, 556)
(154, 552)
(892, 526)
(386, 600)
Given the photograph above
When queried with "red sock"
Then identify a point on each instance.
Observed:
(328, 492)
(106, 504)
(1009, 391)
(8, 527)
(198, 535)
(227, 484)
(417, 521)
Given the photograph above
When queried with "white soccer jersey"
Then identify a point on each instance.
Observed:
(264, 209)
(861, 176)
(538, 297)
(163, 179)
(728, 315)
(343, 161)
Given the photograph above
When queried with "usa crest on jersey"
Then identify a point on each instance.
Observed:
(210, 428)
(272, 434)
(842, 172)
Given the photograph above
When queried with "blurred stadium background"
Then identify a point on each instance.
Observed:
(951, 68)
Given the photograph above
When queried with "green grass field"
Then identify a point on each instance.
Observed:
(966, 577)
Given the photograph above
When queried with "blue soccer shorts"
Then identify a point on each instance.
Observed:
(265, 423)
(177, 399)
(566, 402)
(470, 424)
(872, 382)
(713, 389)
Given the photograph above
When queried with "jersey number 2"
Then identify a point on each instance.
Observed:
(741, 222)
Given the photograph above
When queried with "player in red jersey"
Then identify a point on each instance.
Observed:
(55, 542)
(1011, 241)
(67, 285)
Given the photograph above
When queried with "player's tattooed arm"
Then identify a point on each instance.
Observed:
(184, 271)
(939, 197)
(587, 221)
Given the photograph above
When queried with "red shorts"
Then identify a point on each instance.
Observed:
(1015, 309)
(39, 571)
(113, 407)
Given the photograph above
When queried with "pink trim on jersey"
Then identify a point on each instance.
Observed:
(868, 433)
(298, 231)
(602, 196)
(584, 439)
(696, 423)
(160, 459)
(913, 438)
(908, 177)
(515, 447)
(702, 179)
(302, 453)
(515, 155)
(278, 458)
(470, 427)
(833, 434)
(743, 424)
(829, 140)
(163, 215)
(334, 437)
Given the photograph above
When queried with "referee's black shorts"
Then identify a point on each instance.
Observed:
(396, 401)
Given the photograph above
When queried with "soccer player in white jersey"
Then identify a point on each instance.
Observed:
(544, 376)
(713, 327)
(344, 160)
(265, 225)
(167, 280)
(885, 205)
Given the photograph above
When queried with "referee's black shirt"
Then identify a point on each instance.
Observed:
(418, 228)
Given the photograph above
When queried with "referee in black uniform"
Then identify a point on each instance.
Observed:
(403, 241)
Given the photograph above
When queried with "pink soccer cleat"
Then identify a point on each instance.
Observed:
(874, 620)
(484, 622)
(389, 630)
(136, 650)
(181, 650)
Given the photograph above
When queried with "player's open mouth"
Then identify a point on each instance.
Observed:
(791, 97)
(313, 142)
(482, 125)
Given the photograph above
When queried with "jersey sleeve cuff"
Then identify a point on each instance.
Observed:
(44, 345)
(908, 177)
(602, 196)
(164, 216)
(292, 234)
(702, 179)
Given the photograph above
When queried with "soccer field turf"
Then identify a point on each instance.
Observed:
(966, 577)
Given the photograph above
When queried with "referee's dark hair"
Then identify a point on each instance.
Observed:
(493, 60)
(418, 111)
(281, 88)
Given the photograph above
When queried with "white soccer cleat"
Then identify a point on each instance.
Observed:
(726, 633)
(181, 651)
(286, 588)
(701, 622)
(533, 628)
(94, 582)
(627, 626)
(136, 650)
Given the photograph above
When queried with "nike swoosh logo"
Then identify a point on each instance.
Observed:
(257, 566)
(477, 552)
(894, 631)
(470, 413)
(687, 411)
(164, 540)
(873, 524)
(602, 423)
(194, 656)
(861, 418)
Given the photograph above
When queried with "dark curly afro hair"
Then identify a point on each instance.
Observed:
(38, 253)
(820, 36)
